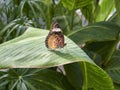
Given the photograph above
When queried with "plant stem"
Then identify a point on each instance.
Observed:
(85, 77)
(49, 15)
(72, 19)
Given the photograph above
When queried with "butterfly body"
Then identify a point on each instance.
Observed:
(55, 38)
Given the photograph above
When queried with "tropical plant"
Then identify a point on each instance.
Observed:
(25, 62)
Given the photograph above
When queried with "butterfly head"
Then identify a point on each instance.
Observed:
(55, 28)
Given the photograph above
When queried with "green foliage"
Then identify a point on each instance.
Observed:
(95, 66)
(29, 50)
(113, 67)
(75, 4)
(105, 9)
(33, 79)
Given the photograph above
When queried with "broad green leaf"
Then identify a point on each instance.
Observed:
(106, 8)
(29, 50)
(93, 79)
(75, 4)
(113, 67)
(35, 79)
(102, 31)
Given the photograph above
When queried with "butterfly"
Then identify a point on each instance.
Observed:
(55, 38)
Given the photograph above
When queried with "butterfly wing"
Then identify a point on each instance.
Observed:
(54, 41)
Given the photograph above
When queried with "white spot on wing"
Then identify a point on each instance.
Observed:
(56, 30)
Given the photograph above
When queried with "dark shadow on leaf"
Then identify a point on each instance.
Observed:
(64, 55)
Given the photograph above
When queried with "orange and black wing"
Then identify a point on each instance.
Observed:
(54, 41)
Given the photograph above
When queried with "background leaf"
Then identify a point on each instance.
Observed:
(92, 78)
(75, 4)
(117, 4)
(113, 67)
(106, 8)
(34, 79)
(102, 31)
